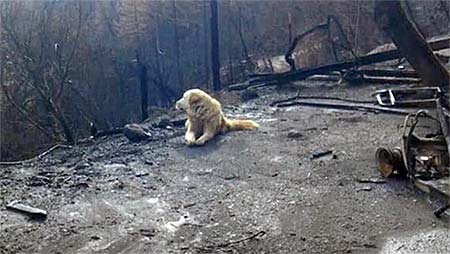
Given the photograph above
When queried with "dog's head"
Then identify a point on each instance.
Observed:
(190, 97)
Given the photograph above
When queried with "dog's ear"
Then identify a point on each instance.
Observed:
(194, 99)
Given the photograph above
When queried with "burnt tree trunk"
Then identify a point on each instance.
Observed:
(59, 115)
(206, 41)
(215, 56)
(392, 19)
(143, 87)
(144, 91)
(180, 78)
(289, 28)
(241, 36)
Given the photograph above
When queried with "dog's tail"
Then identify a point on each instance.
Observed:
(238, 125)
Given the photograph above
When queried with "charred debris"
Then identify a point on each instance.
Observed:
(423, 156)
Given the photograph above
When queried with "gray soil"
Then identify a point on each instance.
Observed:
(244, 192)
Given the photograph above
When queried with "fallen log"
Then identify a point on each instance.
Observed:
(390, 73)
(390, 80)
(281, 78)
(369, 79)
(345, 106)
(370, 72)
(297, 97)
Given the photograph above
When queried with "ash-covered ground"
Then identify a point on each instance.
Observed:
(245, 192)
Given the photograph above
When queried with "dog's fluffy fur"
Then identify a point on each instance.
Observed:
(205, 118)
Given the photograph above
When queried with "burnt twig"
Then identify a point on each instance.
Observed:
(221, 245)
(40, 156)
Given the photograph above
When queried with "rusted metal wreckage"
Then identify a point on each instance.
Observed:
(424, 155)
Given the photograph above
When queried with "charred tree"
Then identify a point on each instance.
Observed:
(241, 36)
(392, 19)
(144, 91)
(177, 46)
(289, 28)
(142, 72)
(206, 41)
(215, 56)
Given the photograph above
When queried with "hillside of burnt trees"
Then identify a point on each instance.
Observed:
(66, 65)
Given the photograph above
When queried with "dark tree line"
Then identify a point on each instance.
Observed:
(66, 64)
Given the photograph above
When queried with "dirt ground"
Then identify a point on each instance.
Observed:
(244, 192)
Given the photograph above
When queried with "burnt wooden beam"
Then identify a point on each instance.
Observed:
(280, 78)
(391, 18)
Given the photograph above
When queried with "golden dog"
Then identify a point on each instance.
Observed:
(205, 118)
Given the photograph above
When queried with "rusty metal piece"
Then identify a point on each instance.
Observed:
(430, 153)
(408, 97)
(390, 160)
(425, 155)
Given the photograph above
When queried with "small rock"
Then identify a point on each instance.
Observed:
(189, 205)
(371, 180)
(231, 177)
(294, 134)
(365, 188)
(370, 246)
(319, 153)
(151, 163)
(118, 184)
(81, 185)
(95, 237)
(135, 132)
(164, 123)
(248, 94)
(147, 232)
(81, 165)
(140, 174)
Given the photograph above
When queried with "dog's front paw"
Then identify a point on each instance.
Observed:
(190, 141)
(200, 142)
